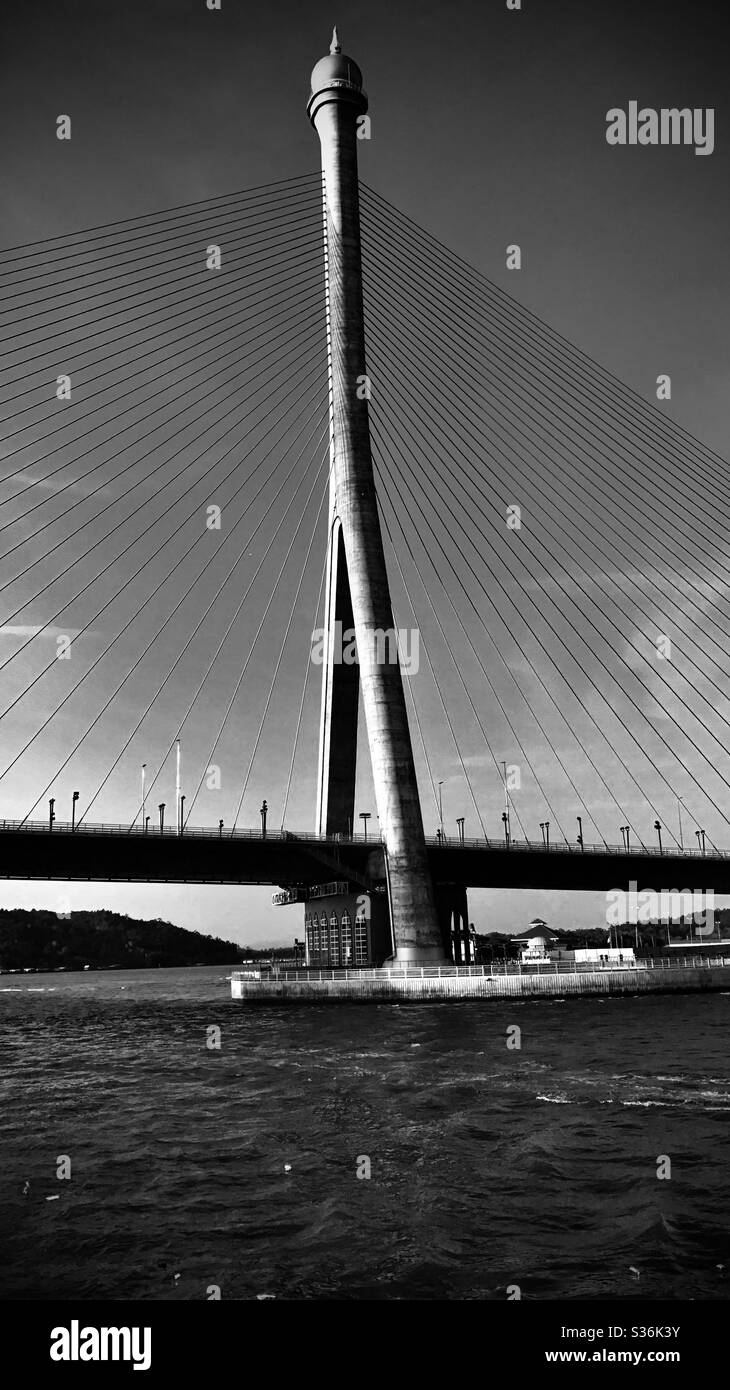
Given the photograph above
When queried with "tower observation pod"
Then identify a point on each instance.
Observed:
(357, 592)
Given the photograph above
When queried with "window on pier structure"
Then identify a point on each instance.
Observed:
(346, 938)
(315, 946)
(334, 939)
(362, 953)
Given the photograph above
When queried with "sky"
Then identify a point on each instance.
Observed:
(488, 129)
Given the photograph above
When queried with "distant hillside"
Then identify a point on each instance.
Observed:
(39, 940)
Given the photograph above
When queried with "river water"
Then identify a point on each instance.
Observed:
(195, 1168)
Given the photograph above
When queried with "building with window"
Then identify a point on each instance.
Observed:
(536, 941)
(344, 927)
(602, 956)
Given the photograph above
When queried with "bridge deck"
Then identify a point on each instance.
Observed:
(118, 853)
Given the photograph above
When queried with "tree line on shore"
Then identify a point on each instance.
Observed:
(35, 939)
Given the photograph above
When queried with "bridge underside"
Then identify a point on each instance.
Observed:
(96, 856)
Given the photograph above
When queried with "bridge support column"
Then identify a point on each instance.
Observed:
(336, 103)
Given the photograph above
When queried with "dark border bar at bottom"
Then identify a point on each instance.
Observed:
(281, 1338)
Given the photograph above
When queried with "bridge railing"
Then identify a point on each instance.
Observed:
(565, 847)
(196, 832)
(153, 832)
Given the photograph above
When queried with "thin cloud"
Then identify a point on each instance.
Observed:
(37, 630)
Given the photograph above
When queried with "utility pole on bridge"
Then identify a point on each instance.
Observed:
(357, 592)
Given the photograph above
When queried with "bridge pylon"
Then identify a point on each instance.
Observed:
(358, 594)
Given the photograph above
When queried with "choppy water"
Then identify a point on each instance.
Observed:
(489, 1166)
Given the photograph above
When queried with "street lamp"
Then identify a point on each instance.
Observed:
(144, 793)
(182, 812)
(505, 822)
(161, 809)
(51, 812)
(441, 810)
(460, 827)
(658, 828)
(220, 829)
(146, 823)
(700, 840)
(580, 832)
(264, 809)
(545, 828)
(365, 817)
(508, 828)
(178, 786)
(74, 799)
(679, 815)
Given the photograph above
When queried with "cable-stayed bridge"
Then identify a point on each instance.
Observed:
(192, 550)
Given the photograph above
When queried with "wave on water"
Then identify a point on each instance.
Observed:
(28, 989)
(592, 1088)
(243, 1161)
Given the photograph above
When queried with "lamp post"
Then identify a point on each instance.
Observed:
(505, 822)
(441, 810)
(545, 828)
(74, 799)
(658, 828)
(177, 787)
(144, 791)
(161, 809)
(220, 829)
(51, 812)
(182, 813)
(460, 828)
(146, 823)
(264, 809)
(365, 817)
(580, 832)
(700, 840)
(505, 817)
(679, 816)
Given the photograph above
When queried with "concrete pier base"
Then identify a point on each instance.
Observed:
(430, 983)
(409, 957)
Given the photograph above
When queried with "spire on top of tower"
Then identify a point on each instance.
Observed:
(339, 76)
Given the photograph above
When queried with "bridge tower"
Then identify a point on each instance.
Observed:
(357, 591)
